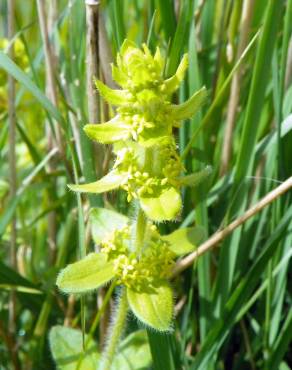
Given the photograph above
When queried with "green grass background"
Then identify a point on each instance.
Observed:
(237, 299)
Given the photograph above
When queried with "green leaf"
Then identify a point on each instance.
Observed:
(160, 139)
(185, 240)
(153, 308)
(282, 343)
(173, 82)
(104, 221)
(179, 41)
(133, 353)
(85, 275)
(195, 179)
(9, 277)
(8, 212)
(107, 133)
(109, 182)
(190, 107)
(168, 18)
(165, 207)
(19, 288)
(114, 97)
(67, 350)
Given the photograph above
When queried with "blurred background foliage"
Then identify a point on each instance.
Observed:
(234, 305)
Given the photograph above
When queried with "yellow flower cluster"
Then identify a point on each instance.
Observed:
(138, 271)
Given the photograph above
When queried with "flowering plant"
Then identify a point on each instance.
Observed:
(149, 169)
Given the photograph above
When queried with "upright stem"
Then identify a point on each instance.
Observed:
(116, 332)
(247, 13)
(49, 62)
(140, 229)
(51, 93)
(119, 322)
(92, 58)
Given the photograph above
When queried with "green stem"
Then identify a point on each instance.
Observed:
(115, 333)
(141, 223)
(141, 219)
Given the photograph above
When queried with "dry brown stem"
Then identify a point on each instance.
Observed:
(221, 234)
(247, 10)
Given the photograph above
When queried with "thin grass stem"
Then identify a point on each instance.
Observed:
(13, 185)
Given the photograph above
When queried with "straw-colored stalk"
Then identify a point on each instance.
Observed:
(222, 234)
(246, 18)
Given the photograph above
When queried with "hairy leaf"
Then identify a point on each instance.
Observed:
(114, 97)
(173, 82)
(165, 207)
(104, 222)
(154, 308)
(191, 106)
(109, 182)
(185, 240)
(133, 353)
(67, 350)
(107, 133)
(195, 179)
(85, 275)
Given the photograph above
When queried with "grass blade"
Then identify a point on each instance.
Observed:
(161, 350)
(166, 11)
(10, 67)
(242, 292)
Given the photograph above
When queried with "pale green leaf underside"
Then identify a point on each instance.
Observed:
(66, 348)
(85, 275)
(163, 208)
(133, 353)
(191, 106)
(107, 133)
(185, 240)
(109, 182)
(104, 222)
(154, 309)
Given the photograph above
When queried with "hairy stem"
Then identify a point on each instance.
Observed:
(115, 333)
